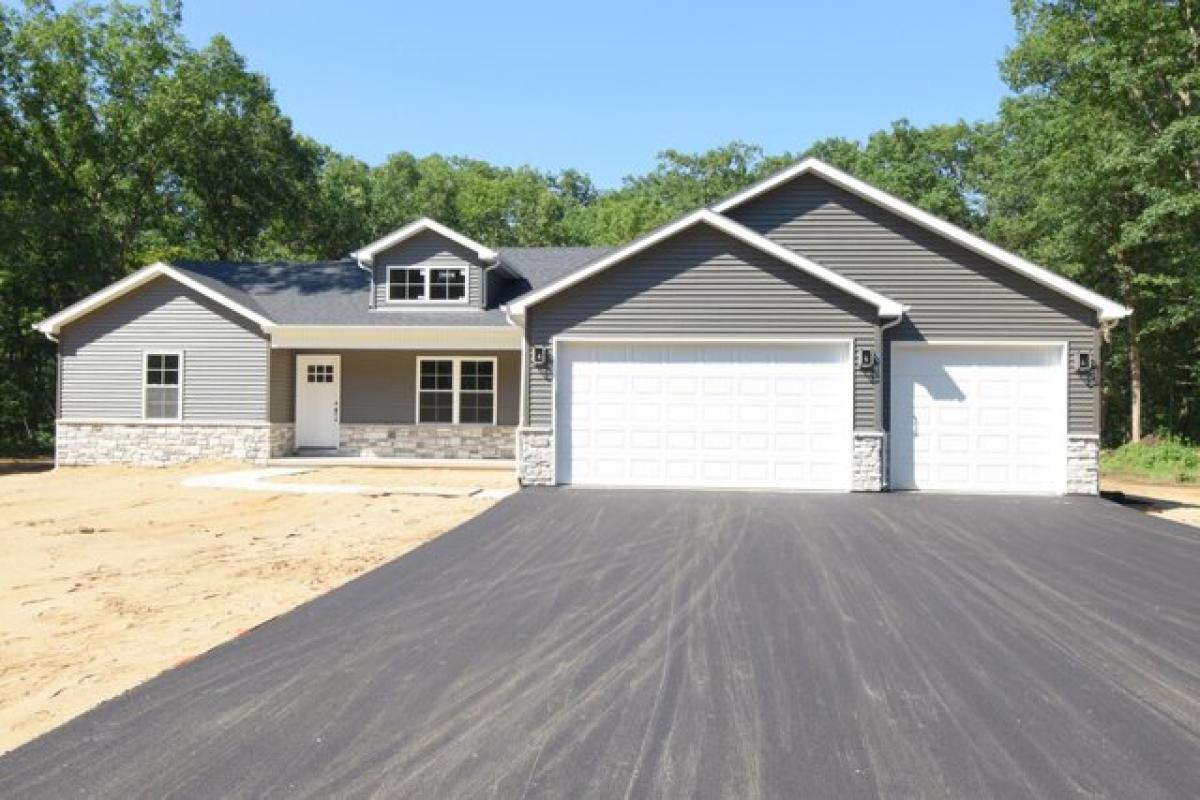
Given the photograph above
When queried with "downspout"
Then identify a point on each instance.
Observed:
(484, 284)
(370, 271)
(886, 454)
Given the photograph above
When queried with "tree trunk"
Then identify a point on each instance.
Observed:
(1135, 383)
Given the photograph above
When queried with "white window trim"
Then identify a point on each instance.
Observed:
(145, 367)
(426, 271)
(456, 388)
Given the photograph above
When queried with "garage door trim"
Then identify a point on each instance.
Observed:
(1061, 346)
(650, 339)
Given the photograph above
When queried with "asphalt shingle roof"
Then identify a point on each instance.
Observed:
(338, 292)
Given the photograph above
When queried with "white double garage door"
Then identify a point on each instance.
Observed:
(740, 414)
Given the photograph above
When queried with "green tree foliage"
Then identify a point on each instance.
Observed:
(1094, 169)
(934, 167)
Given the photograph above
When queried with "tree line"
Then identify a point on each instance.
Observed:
(121, 144)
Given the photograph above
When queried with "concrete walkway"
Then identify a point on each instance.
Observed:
(259, 480)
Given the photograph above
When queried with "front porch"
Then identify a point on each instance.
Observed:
(425, 407)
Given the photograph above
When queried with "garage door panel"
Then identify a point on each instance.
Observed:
(738, 415)
(978, 418)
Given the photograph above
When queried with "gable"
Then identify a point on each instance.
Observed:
(1105, 309)
(703, 281)
(951, 290)
(428, 249)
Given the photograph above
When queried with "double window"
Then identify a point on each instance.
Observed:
(439, 284)
(456, 390)
(162, 388)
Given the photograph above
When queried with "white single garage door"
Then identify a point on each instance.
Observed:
(704, 414)
(978, 418)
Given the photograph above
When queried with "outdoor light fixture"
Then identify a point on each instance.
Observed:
(540, 354)
(866, 358)
(1082, 361)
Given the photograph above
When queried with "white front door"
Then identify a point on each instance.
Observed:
(711, 414)
(979, 417)
(318, 400)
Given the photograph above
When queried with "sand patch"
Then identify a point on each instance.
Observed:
(114, 574)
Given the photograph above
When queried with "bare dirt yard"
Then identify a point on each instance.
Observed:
(111, 575)
(1177, 502)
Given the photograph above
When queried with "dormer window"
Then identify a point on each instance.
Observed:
(418, 284)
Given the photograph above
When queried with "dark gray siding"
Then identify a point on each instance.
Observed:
(429, 249)
(954, 293)
(379, 386)
(224, 365)
(703, 282)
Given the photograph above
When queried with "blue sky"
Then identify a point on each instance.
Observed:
(603, 86)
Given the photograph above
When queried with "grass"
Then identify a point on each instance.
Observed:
(1161, 460)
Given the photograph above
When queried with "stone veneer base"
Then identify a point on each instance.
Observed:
(1083, 464)
(159, 443)
(428, 441)
(868, 460)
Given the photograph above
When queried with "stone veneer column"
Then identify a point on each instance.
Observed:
(1083, 464)
(535, 454)
(868, 461)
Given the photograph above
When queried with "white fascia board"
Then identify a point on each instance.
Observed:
(1107, 309)
(397, 337)
(886, 306)
(52, 326)
(367, 254)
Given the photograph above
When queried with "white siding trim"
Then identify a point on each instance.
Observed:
(367, 254)
(886, 306)
(1107, 309)
(398, 337)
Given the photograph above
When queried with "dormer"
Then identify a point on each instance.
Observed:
(427, 265)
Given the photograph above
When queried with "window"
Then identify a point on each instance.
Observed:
(439, 284)
(477, 391)
(447, 284)
(163, 382)
(436, 401)
(456, 390)
(406, 283)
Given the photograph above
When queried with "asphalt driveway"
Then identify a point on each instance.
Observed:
(667, 644)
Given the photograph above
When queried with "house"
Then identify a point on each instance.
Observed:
(810, 332)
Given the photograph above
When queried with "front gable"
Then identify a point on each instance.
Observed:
(765, 206)
(950, 290)
(702, 281)
(427, 249)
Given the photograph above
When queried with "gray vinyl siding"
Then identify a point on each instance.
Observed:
(224, 356)
(954, 292)
(705, 283)
(379, 386)
(428, 249)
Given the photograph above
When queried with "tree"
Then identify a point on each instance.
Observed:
(933, 167)
(1096, 170)
(119, 144)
